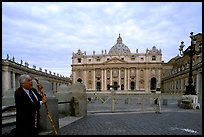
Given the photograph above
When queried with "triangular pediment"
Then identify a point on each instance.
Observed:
(114, 61)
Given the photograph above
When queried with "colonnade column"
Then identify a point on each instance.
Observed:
(6, 81)
(54, 86)
(57, 85)
(13, 81)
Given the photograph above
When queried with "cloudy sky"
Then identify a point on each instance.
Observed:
(46, 34)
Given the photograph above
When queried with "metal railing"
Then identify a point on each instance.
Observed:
(129, 101)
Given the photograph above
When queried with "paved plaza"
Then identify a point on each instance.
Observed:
(134, 118)
(183, 122)
(142, 121)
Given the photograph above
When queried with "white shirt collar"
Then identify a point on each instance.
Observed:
(27, 91)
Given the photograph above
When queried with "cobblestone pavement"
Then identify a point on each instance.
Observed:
(179, 122)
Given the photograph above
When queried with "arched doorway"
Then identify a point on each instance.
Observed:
(132, 85)
(108, 87)
(79, 80)
(115, 85)
(122, 87)
(98, 86)
(153, 83)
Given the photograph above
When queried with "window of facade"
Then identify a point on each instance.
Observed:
(108, 73)
(122, 73)
(79, 60)
(132, 58)
(153, 57)
(98, 72)
(115, 72)
(97, 58)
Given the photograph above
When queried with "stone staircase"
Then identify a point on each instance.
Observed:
(8, 120)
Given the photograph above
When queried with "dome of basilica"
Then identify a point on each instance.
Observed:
(119, 48)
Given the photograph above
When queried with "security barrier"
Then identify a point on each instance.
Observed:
(129, 101)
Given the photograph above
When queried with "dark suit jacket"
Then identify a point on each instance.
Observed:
(25, 112)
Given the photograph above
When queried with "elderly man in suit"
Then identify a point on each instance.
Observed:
(28, 102)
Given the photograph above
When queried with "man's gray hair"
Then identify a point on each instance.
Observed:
(23, 78)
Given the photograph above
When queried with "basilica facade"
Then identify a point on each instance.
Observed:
(118, 69)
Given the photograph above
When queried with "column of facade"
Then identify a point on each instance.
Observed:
(182, 85)
(199, 84)
(85, 77)
(105, 79)
(125, 86)
(186, 80)
(147, 80)
(102, 87)
(119, 79)
(128, 78)
(169, 86)
(73, 77)
(137, 79)
(172, 86)
(111, 70)
(159, 79)
(94, 79)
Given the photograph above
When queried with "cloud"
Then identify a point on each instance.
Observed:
(47, 33)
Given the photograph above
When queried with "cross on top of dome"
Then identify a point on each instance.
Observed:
(119, 48)
(119, 40)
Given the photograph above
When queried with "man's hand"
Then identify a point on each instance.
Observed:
(44, 99)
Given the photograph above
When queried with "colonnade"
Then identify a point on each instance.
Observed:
(11, 72)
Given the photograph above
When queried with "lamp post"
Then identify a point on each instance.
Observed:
(191, 51)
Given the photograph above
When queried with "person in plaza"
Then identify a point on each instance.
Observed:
(28, 103)
(158, 107)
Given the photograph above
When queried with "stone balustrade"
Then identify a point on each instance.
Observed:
(26, 64)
